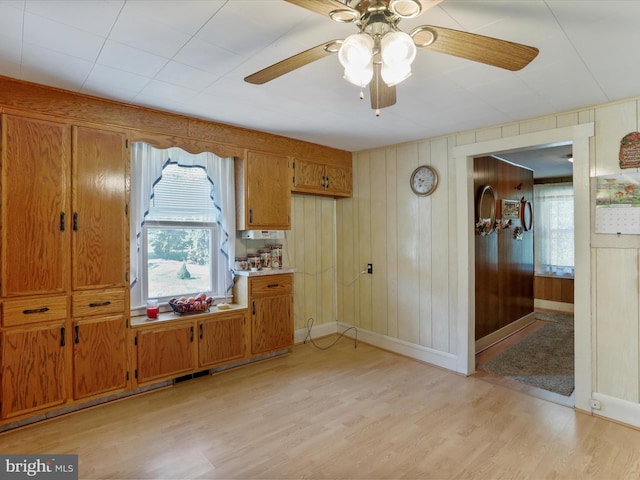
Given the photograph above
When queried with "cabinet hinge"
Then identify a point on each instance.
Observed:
(127, 376)
(135, 341)
(126, 209)
(135, 373)
(126, 143)
(126, 323)
(126, 276)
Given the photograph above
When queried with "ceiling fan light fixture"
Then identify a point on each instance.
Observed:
(394, 74)
(359, 76)
(405, 8)
(397, 48)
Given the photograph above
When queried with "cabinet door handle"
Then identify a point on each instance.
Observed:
(77, 331)
(273, 285)
(191, 333)
(201, 334)
(62, 221)
(253, 306)
(251, 215)
(62, 340)
(327, 186)
(35, 310)
(100, 304)
(75, 221)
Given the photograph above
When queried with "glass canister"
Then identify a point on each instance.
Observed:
(265, 257)
(241, 264)
(276, 256)
(254, 261)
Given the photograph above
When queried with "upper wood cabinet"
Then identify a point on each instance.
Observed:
(321, 179)
(263, 192)
(99, 200)
(35, 206)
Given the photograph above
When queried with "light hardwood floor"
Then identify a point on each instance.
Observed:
(356, 413)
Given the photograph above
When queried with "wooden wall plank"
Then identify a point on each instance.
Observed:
(378, 240)
(617, 310)
(424, 224)
(364, 241)
(613, 122)
(391, 241)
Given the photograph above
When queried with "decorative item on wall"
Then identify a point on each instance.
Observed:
(526, 214)
(630, 150)
(486, 211)
(424, 180)
(618, 204)
(518, 233)
(510, 209)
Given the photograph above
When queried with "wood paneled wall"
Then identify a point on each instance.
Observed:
(503, 266)
(553, 289)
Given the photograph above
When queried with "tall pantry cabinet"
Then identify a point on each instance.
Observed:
(63, 273)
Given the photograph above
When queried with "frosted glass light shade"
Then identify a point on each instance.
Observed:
(356, 56)
(398, 51)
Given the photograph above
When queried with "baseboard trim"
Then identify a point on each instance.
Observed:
(618, 410)
(550, 305)
(317, 331)
(504, 332)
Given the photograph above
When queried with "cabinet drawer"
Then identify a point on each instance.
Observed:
(85, 304)
(33, 310)
(269, 285)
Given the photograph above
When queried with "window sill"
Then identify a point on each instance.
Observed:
(164, 317)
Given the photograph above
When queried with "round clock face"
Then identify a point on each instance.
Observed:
(424, 180)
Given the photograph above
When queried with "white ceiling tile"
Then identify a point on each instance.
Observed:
(11, 22)
(95, 16)
(185, 76)
(61, 38)
(208, 57)
(40, 65)
(103, 78)
(186, 16)
(129, 59)
(164, 90)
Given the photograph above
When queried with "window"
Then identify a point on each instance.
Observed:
(553, 227)
(179, 234)
(182, 210)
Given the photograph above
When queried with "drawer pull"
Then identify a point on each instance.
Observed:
(62, 339)
(273, 285)
(100, 304)
(77, 329)
(36, 310)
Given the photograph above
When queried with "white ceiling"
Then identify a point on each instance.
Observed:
(190, 57)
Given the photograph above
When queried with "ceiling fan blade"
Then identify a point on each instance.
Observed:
(289, 64)
(488, 50)
(427, 4)
(323, 7)
(382, 95)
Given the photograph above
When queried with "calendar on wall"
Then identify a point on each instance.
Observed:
(618, 204)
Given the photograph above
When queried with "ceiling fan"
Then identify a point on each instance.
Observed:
(380, 54)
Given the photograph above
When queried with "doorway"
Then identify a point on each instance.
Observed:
(463, 155)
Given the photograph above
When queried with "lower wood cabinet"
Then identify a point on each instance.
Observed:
(221, 339)
(271, 299)
(35, 374)
(165, 352)
(99, 356)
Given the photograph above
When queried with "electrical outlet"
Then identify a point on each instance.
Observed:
(369, 267)
(595, 404)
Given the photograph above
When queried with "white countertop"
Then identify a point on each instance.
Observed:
(265, 271)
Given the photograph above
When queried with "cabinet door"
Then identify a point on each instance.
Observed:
(99, 355)
(272, 324)
(165, 352)
(221, 339)
(99, 199)
(308, 177)
(33, 369)
(339, 180)
(268, 192)
(35, 177)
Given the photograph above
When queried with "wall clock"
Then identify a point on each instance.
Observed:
(424, 180)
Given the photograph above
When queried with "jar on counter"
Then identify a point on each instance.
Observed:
(265, 257)
(254, 261)
(276, 256)
(241, 264)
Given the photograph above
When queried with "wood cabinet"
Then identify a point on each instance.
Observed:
(221, 339)
(321, 179)
(99, 199)
(34, 369)
(99, 355)
(165, 351)
(35, 206)
(271, 308)
(263, 192)
(64, 234)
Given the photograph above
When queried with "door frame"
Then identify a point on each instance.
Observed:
(580, 137)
